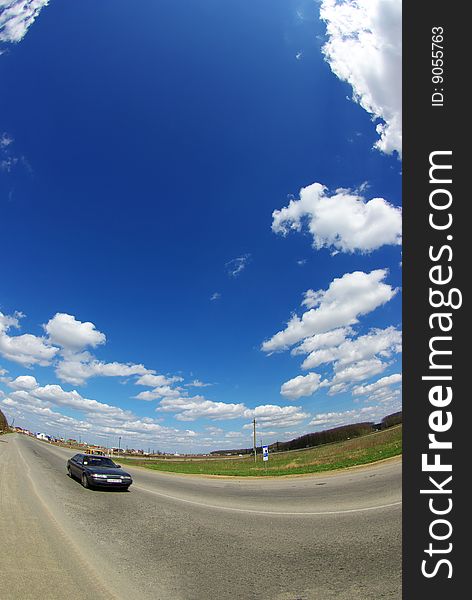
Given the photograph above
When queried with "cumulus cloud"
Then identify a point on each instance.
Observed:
(381, 342)
(152, 380)
(58, 396)
(163, 391)
(64, 347)
(45, 396)
(23, 382)
(341, 305)
(16, 16)
(364, 49)
(384, 390)
(303, 385)
(344, 221)
(77, 369)
(77, 365)
(195, 407)
(274, 416)
(66, 331)
(354, 359)
(323, 340)
(345, 376)
(100, 419)
(25, 349)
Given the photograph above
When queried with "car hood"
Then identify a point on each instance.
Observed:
(106, 471)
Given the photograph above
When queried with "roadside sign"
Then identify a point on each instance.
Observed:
(265, 452)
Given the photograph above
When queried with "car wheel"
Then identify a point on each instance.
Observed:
(85, 482)
(68, 472)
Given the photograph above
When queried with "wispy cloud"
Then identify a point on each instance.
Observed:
(343, 221)
(236, 266)
(16, 17)
(341, 305)
(198, 383)
(25, 349)
(5, 139)
(9, 159)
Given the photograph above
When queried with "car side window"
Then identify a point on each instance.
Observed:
(78, 459)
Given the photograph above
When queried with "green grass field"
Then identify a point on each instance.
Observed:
(359, 451)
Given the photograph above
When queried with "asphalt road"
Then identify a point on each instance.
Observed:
(174, 537)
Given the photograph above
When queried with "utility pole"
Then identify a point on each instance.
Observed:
(255, 443)
(119, 444)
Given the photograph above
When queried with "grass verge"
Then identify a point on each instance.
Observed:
(358, 451)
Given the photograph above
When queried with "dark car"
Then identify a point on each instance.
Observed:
(98, 471)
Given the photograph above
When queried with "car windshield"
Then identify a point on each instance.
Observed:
(98, 461)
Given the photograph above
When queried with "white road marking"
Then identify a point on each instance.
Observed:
(270, 512)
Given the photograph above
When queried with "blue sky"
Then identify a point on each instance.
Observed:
(200, 218)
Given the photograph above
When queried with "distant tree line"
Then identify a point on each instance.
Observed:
(391, 420)
(3, 423)
(337, 434)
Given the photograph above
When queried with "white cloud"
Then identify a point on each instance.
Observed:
(163, 391)
(195, 407)
(5, 139)
(56, 395)
(77, 369)
(105, 421)
(353, 359)
(215, 296)
(277, 417)
(151, 380)
(23, 382)
(379, 388)
(16, 16)
(66, 331)
(77, 365)
(322, 340)
(301, 386)
(364, 48)
(346, 299)
(345, 376)
(39, 400)
(24, 349)
(237, 265)
(198, 384)
(381, 342)
(344, 220)
(212, 430)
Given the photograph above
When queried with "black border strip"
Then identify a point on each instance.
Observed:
(432, 127)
